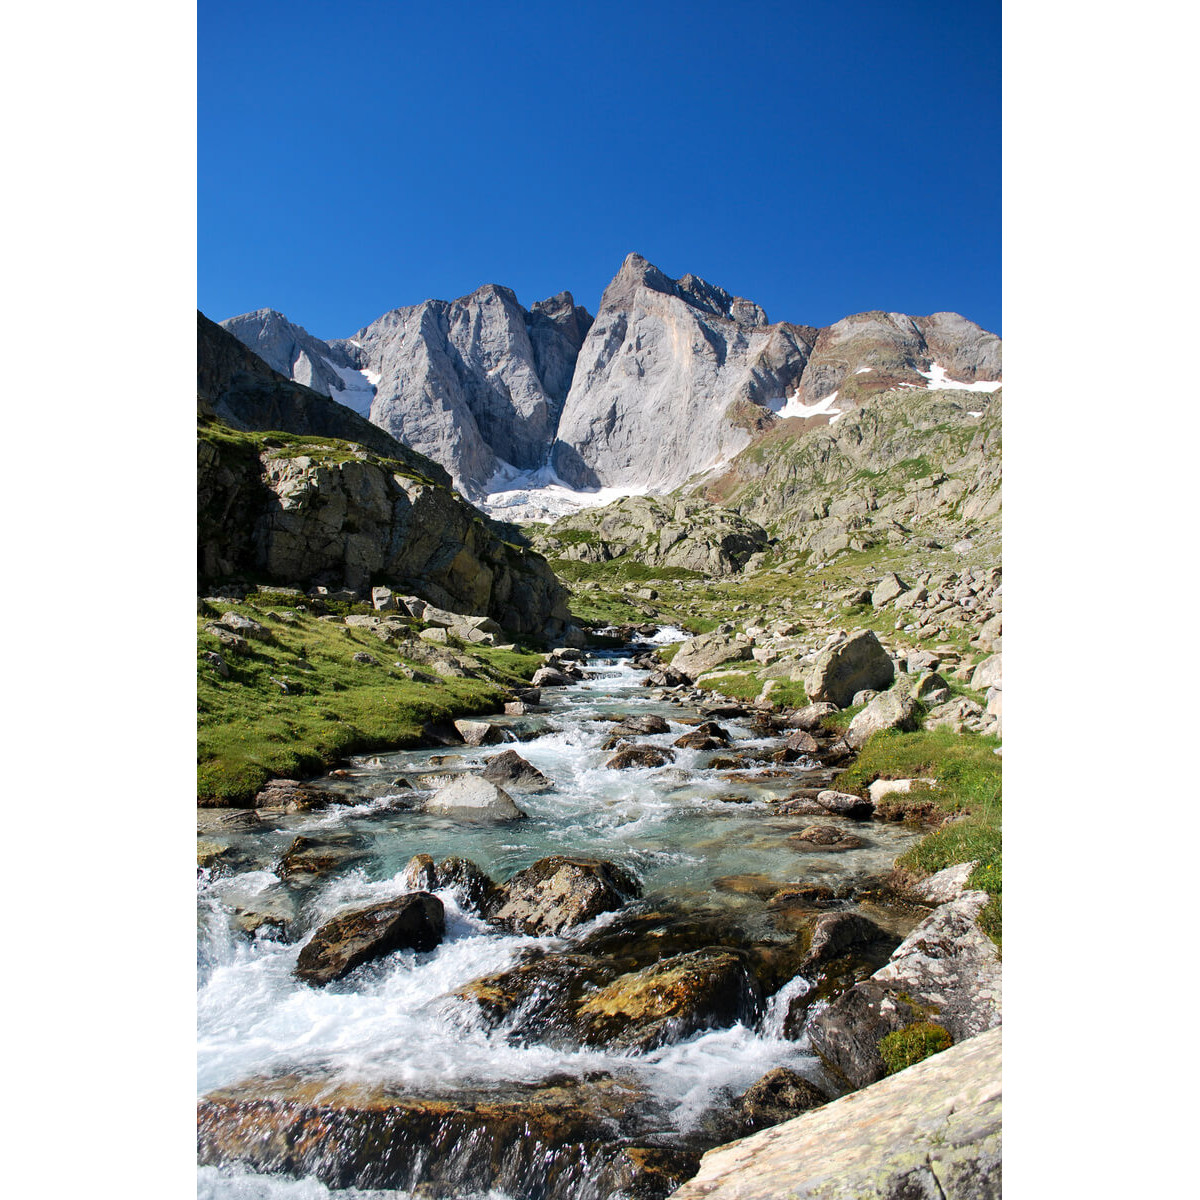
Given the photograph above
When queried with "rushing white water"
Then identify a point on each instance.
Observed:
(397, 1020)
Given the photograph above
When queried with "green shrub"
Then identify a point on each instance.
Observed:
(913, 1044)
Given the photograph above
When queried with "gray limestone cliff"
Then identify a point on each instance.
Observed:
(293, 351)
(673, 377)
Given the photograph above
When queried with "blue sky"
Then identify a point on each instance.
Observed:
(820, 159)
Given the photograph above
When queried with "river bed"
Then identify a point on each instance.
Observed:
(694, 838)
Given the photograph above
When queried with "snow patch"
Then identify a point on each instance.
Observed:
(940, 381)
(863, 370)
(540, 495)
(793, 407)
(358, 388)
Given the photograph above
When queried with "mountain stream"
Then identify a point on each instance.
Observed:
(700, 842)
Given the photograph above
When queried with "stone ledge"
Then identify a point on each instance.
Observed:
(933, 1130)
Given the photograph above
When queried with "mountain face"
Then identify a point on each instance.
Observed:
(297, 489)
(477, 383)
(672, 379)
(294, 352)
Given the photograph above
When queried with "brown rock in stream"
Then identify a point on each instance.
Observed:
(412, 922)
(543, 1139)
(703, 989)
(641, 756)
(558, 892)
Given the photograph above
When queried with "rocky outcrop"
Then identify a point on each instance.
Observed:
(947, 970)
(308, 510)
(543, 1139)
(873, 351)
(682, 534)
(907, 463)
(669, 378)
(933, 1130)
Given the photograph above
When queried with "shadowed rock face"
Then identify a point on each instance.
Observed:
(245, 392)
(295, 353)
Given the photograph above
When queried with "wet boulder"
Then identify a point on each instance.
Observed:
(558, 892)
(778, 1096)
(469, 882)
(670, 1000)
(473, 798)
(641, 756)
(845, 804)
(809, 717)
(838, 933)
(419, 874)
(290, 795)
(307, 856)
(896, 709)
(412, 922)
(510, 770)
(707, 735)
(640, 724)
(523, 1139)
(830, 838)
(847, 666)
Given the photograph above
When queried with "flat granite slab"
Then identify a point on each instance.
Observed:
(930, 1132)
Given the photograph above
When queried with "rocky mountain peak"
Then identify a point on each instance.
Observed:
(638, 272)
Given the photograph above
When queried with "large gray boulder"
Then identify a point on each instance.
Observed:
(930, 1132)
(895, 709)
(887, 589)
(700, 654)
(848, 666)
(988, 674)
(293, 351)
(510, 770)
(475, 799)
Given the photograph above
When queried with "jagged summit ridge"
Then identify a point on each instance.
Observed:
(671, 379)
